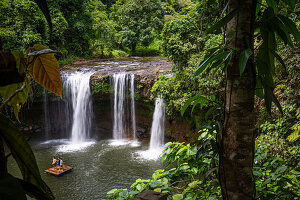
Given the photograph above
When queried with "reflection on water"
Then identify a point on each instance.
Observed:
(98, 166)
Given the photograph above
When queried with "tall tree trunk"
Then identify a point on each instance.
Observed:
(237, 142)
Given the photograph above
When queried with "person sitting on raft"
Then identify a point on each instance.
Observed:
(54, 162)
(60, 162)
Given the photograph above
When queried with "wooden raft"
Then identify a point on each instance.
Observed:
(57, 171)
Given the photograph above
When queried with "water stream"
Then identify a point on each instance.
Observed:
(132, 106)
(123, 85)
(78, 86)
(158, 125)
(46, 114)
(157, 132)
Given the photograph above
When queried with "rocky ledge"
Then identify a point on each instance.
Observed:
(146, 69)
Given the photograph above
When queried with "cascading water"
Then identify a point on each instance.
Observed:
(158, 125)
(46, 114)
(157, 132)
(78, 87)
(120, 83)
(132, 106)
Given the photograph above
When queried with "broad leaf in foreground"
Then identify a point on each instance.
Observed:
(10, 188)
(23, 155)
(44, 69)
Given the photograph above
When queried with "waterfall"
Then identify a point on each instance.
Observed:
(132, 106)
(78, 88)
(46, 115)
(158, 125)
(120, 83)
(119, 94)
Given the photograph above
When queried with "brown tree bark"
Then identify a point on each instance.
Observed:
(237, 142)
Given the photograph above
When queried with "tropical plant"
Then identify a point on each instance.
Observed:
(248, 71)
(41, 65)
(17, 70)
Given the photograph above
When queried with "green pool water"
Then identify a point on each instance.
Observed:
(98, 166)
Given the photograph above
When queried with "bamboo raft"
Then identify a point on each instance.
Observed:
(58, 171)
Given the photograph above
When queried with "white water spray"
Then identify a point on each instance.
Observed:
(158, 125)
(79, 88)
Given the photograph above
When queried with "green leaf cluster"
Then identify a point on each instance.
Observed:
(274, 179)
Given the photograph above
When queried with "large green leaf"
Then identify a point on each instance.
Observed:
(217, 58)
(228, 59)
(223, 21)
(244, 56)
(271, 45)
(290, 26)
(204, 63)
(189, 101)
(282, 32)
(202, 100)
(225, 57)
(23, 154)
(32, 191)
(278, 57)
(259, 90)
(269, 98)
(10, 189)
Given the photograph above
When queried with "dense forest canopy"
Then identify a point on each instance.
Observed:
(108, 28)
(235, 78)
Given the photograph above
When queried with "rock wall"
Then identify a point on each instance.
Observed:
(146, 70)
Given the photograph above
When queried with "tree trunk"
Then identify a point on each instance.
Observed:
(237, 142)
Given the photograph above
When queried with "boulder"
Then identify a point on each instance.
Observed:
(150, 195)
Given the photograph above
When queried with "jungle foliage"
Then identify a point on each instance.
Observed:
(192, 173)
(183, 31)
(276, 175)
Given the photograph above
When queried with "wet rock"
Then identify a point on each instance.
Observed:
(38, 130)
(142, 130)
(150, 195)
(147, 71)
